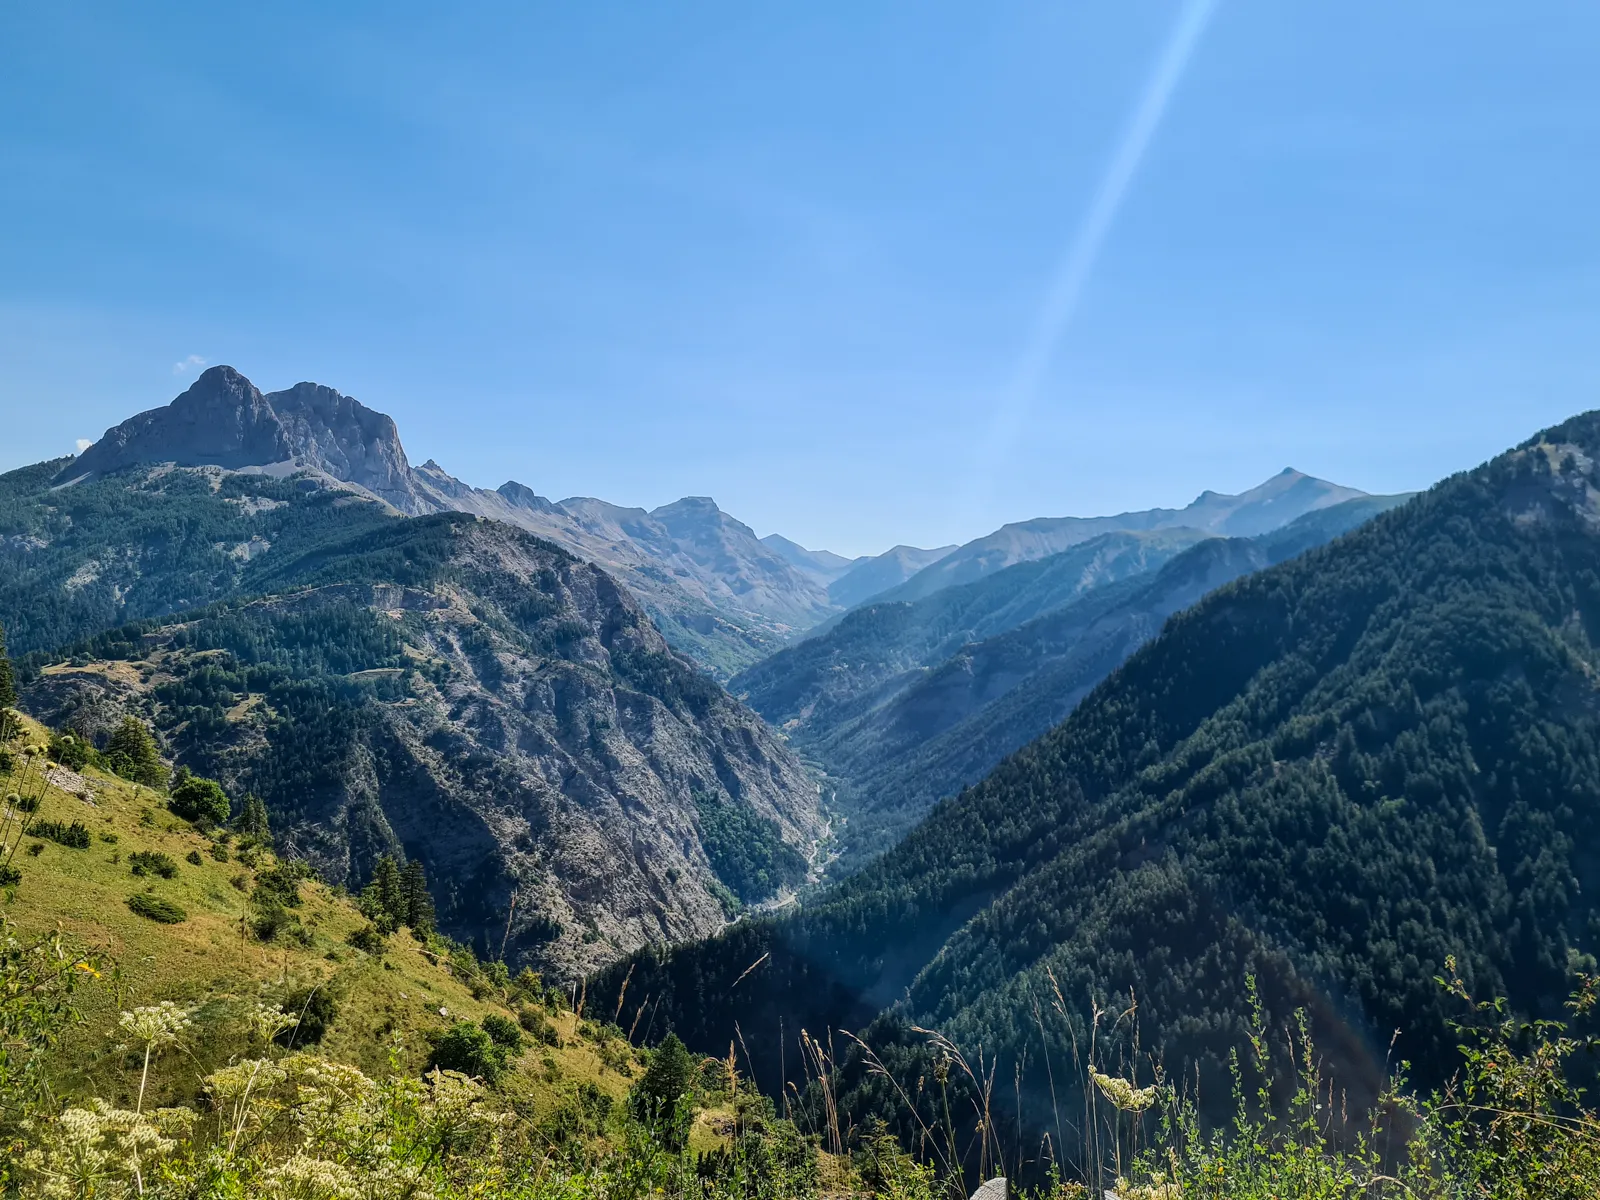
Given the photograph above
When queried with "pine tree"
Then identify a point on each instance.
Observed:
(383, 901)
(659, 1099)
(419, 904)
(8, 679)
(133, 755)
(252, 820)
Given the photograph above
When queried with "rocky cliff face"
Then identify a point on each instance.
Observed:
(223, 420)
(464, 693)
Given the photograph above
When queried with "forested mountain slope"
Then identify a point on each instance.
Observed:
(880, 648)
(1330, 775)
(482, 700)
(948, 727)
(148, 542)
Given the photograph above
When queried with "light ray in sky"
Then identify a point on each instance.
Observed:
(1066, 288)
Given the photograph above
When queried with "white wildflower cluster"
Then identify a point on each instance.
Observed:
(304, 1178)
(286, 1127)
(231, 1084)
(1123, 1094)
(269, 1020)
(156, 1024)
(101, 1151)
(1156, 1190)
(337, 1107)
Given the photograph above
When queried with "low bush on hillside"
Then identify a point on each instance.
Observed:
(74, 836)
(538, 1026)
(313, 1009)
(367, 938)
(157, 908)
(152, 862)
(469, 1049)
(504, 1032)
(71, 751)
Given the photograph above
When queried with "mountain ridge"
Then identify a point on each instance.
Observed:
(1316, 784)
(461, 692)
(951, 725)
(720, 595)
(1269, 505)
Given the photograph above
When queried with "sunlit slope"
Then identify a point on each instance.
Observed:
(387, 1001)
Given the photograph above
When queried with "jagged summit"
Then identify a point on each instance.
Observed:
(719, 594)
(224, 420)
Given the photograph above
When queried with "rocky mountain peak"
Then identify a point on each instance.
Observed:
(224, 420)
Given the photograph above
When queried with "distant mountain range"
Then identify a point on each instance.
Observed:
(946, 727)
(719, 593)
(903, 702)
(1318, 785)
(851, 580)
(1268, 506)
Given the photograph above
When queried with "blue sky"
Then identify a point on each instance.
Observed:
(801, 257)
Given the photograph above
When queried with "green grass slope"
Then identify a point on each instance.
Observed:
(213, 961)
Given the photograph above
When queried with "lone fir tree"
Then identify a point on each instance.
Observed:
(131, 751)
(420, 915)
(252, 819)
(398, 896)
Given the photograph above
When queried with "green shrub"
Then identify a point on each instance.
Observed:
(36, 849)
(316, 1007)
(70, 751)
(219, 852)
(152, 862)
(74, 836)
(468, 1048)
(193, 857)
(504, 1031)
(367, 938)
(197, 800)
(157, 908)
(282, 882)
(9, 876)
(528, 985)
(271, 920)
